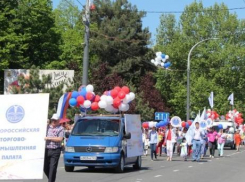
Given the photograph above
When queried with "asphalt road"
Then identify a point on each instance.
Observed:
(229, 168)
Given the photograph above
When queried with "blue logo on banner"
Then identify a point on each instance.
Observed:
(15, 114)
(162, 116)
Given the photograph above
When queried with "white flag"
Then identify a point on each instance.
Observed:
(231, 99)
(211, 100)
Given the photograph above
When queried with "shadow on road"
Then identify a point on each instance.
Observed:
(109, 170)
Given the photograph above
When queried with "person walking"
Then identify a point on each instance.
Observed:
(160, 141)
(153, 139)
(54, 138)
(196, 142)
(237, 139)
(183, 146)
(170, 139)
(212, 141)
(221, 137)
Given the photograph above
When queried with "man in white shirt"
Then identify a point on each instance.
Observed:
(196, 143)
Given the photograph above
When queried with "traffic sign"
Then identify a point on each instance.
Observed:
(162, 116)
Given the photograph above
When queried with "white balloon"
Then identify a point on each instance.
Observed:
(150, 124)
(126, 99)
(109, 100)
(89, 88)
(114, 110)
(163, 60)
(156, 63)
(123, 107)
(158, 58)
(102, 104)
(103, 97)
(158, 54)
(87, 104)
(166, 56)
(109, 108)
(132, 96)
(162, 64)
(153, 61)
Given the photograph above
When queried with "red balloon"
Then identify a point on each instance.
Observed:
(114, 93)
(125, 89)
(95, 106)
(117, 88)
(183, 124)
(145, 125)
(97, 98)
(189, 123)
(89, 96)
(80, 100)
(116, 102)
(121, 95)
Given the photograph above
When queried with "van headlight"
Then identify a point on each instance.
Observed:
(69, 149)
(111, 150)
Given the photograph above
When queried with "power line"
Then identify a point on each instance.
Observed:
(201, 11)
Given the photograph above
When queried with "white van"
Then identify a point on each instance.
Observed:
(229, 129)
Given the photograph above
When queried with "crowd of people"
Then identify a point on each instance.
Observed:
(171, 140)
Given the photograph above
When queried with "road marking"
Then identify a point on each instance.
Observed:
(176, 170)
(190, 166)
(200, 163)
(139, 179)
(162, 166)
(141, 171)
(157, 176)
(209, 160)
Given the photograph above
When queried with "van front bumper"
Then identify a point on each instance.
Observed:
(102, 159)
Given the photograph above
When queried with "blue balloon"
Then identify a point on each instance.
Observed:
(187, 125)
(220, 126)
(83, 92)
(109, 93)
(73, 102)
(158, 125)
(74, 94)
(167, 65)
(163, 56)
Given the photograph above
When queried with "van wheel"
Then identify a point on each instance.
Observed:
(69, 168)
(137, 164)
(120, 167)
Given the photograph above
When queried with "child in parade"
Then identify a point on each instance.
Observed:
(183, 146)
(221, 138)
(237, 140)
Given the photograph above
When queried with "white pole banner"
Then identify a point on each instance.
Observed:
(23, 121)
(135, 144)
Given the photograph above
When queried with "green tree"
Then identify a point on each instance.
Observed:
(28, 34)
(216, 65)
(71, 28)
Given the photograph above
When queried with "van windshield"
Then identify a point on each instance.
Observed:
(97, 127)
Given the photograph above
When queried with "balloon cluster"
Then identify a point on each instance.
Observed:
(234, 115)
(186, 124)
(152, 124)
(85, 98)
(112, 101)
(161, 60)
(212, 114)
(117, 99)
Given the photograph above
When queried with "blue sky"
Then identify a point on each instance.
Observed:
(152, 20)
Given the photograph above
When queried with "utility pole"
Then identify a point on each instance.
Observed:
(86, 20)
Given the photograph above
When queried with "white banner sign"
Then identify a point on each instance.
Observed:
(23, 121)
(58, 77)
(135, 144)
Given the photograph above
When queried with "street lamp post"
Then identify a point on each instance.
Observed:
(188, 77)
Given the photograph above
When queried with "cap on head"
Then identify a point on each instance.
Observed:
(55, 117)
